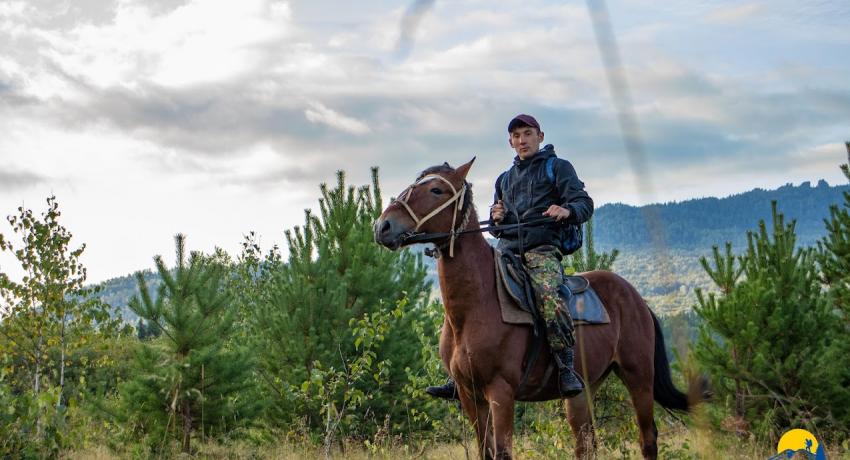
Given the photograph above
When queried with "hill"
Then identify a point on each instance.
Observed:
(118, 292)
(699, 224)
(666, 278)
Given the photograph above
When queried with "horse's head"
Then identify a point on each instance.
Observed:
(438, 202)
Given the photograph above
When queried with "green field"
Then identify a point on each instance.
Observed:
(323, 349)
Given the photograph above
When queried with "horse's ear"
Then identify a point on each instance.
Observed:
(463, 169)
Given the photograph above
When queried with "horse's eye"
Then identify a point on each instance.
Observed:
(436, 191)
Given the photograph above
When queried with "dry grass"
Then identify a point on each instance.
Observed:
(680, 443)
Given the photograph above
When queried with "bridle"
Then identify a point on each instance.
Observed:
(458, 198)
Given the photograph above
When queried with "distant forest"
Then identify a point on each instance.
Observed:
(666, 280)
(702, 223)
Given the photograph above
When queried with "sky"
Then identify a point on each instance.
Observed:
(214, 118)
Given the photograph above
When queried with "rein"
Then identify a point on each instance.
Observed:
(430, 237)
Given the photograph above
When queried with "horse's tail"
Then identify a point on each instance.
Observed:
(665, 392)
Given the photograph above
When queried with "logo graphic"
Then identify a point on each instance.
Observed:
(799, 444)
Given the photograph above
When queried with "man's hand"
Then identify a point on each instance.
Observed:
(557, 212)
(497, 211)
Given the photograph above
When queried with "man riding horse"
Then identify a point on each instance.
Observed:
(540, 183)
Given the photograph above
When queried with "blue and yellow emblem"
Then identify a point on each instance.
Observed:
(799, 444)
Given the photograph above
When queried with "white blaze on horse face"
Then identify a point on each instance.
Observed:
(425, 180)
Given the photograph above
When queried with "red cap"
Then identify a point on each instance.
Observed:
(523, 120)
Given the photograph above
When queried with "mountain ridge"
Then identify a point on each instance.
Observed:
(691, 226)
(701, 223)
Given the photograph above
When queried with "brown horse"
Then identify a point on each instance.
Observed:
(486, 357)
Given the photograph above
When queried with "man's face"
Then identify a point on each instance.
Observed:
(526, 141)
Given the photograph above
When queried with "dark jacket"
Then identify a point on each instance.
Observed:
(527, 192)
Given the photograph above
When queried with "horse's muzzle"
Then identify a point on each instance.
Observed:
(388, 233)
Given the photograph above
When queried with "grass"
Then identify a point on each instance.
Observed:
(674, 443)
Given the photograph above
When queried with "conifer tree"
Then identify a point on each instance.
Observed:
(145, 331)
(141, 330)
(334, 274)
(766, 330)
(187, 382)
(834, 261)
(834, 254)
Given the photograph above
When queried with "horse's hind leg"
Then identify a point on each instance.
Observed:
(642, 400)
(640, 388)
(579, 417)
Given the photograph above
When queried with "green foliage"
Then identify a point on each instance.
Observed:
(765, 332)
(145, 330)
(430, 418)
(187, 383)
(337, 339)
(614, 416)
(834, 251)
(49, 320)
(545, 430)
(251, 283)
(834, 262)
(31, 424)
(300, 311)
(340, 392)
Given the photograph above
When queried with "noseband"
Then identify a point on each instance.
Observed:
(457, 198)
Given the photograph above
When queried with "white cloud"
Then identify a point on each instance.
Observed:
(203, 41)
(12, 9)
(318, 113)
(825, 157)
(127, 209)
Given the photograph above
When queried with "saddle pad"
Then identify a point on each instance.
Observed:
(511, 312)
(585, 307)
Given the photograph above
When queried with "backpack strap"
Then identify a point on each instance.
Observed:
(550, 169)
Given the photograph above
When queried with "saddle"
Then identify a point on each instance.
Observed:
(517, 299)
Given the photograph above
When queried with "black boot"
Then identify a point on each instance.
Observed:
(447, 391)
(569, 382)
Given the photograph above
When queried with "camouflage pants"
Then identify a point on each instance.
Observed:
(546, 272)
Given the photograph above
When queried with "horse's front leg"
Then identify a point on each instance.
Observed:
(581, 422)
(478, 412)
(500, 396)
